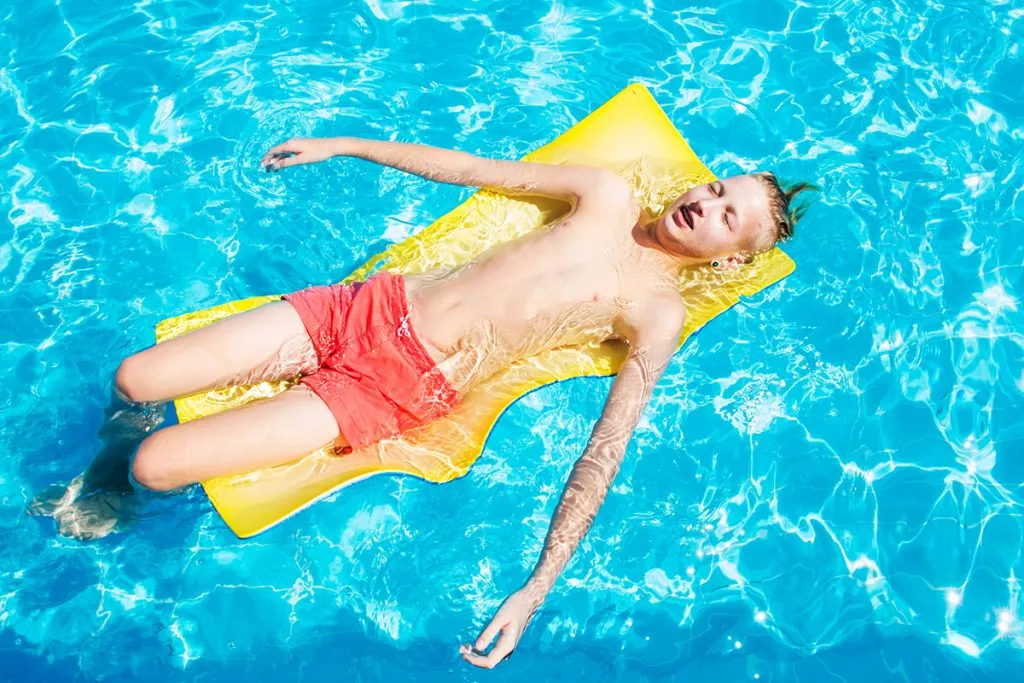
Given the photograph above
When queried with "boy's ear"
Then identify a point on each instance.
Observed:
(733, 262)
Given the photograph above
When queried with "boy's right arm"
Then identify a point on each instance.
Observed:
(455, 168)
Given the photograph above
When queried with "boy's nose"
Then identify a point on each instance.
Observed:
(695, 207)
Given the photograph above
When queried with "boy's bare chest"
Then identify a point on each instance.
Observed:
(577, 260)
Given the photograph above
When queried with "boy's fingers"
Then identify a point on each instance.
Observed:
(501, 650)
(277, 151)
(273, 155)
(487, 662)
(285, 162)
(487, 635)
(282, 148)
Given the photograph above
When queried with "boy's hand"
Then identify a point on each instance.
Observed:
(298, 151)
(511, 620)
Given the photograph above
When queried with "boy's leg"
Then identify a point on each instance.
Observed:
(262, 434)
(266, 343)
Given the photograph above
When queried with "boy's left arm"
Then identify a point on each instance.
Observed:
(653, 336)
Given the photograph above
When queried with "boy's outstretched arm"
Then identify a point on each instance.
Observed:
(653, 336)
(454, 168)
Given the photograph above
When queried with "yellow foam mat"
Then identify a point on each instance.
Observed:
(629, 134)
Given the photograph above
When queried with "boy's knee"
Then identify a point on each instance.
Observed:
(153, 466)
(132, 380)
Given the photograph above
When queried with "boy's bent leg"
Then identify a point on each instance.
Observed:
(270, 432)
(266, 343)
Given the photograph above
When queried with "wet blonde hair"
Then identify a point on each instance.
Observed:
(784, 214)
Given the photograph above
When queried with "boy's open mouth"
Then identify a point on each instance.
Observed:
(683, 217)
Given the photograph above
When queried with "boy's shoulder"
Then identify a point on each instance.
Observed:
(608, 189)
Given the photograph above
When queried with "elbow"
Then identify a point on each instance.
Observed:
(601, 464)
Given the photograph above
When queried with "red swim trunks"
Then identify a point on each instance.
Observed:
(374, 374)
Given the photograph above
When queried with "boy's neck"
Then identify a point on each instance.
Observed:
(671, 264)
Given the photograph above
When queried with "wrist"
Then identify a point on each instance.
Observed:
(341, 146)
(535, 591)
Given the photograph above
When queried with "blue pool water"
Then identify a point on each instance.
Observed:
(828, 485)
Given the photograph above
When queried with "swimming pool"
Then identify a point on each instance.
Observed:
(827, 486)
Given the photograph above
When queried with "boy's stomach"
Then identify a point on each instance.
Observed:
(474, 336)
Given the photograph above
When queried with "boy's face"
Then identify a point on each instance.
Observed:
(714, 221)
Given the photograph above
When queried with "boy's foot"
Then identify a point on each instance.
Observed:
(81, 515)
(101, 500)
